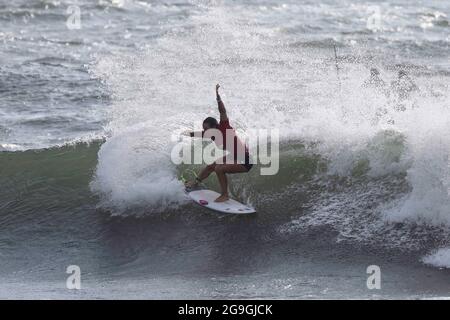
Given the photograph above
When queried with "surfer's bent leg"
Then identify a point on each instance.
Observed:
(206, 171)
(221, 171)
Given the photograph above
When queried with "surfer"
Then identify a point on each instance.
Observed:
(239, 151)
(403, 86)
(374, 81)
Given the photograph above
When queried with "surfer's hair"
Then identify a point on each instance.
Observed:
(212, 122)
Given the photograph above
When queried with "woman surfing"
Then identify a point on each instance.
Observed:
(238, 160)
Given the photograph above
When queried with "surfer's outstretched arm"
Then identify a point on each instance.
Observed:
(222, 110)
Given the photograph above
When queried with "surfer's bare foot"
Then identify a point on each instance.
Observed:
(222, 198)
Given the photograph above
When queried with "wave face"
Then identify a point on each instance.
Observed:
(85, 152)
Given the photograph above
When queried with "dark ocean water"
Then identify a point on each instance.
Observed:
(87, 118)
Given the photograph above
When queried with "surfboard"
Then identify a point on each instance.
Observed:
(205, 198)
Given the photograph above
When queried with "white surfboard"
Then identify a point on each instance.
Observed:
(206, 198)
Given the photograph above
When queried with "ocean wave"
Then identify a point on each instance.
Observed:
(373, 169)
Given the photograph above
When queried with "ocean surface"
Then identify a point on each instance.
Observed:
(89, 109)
